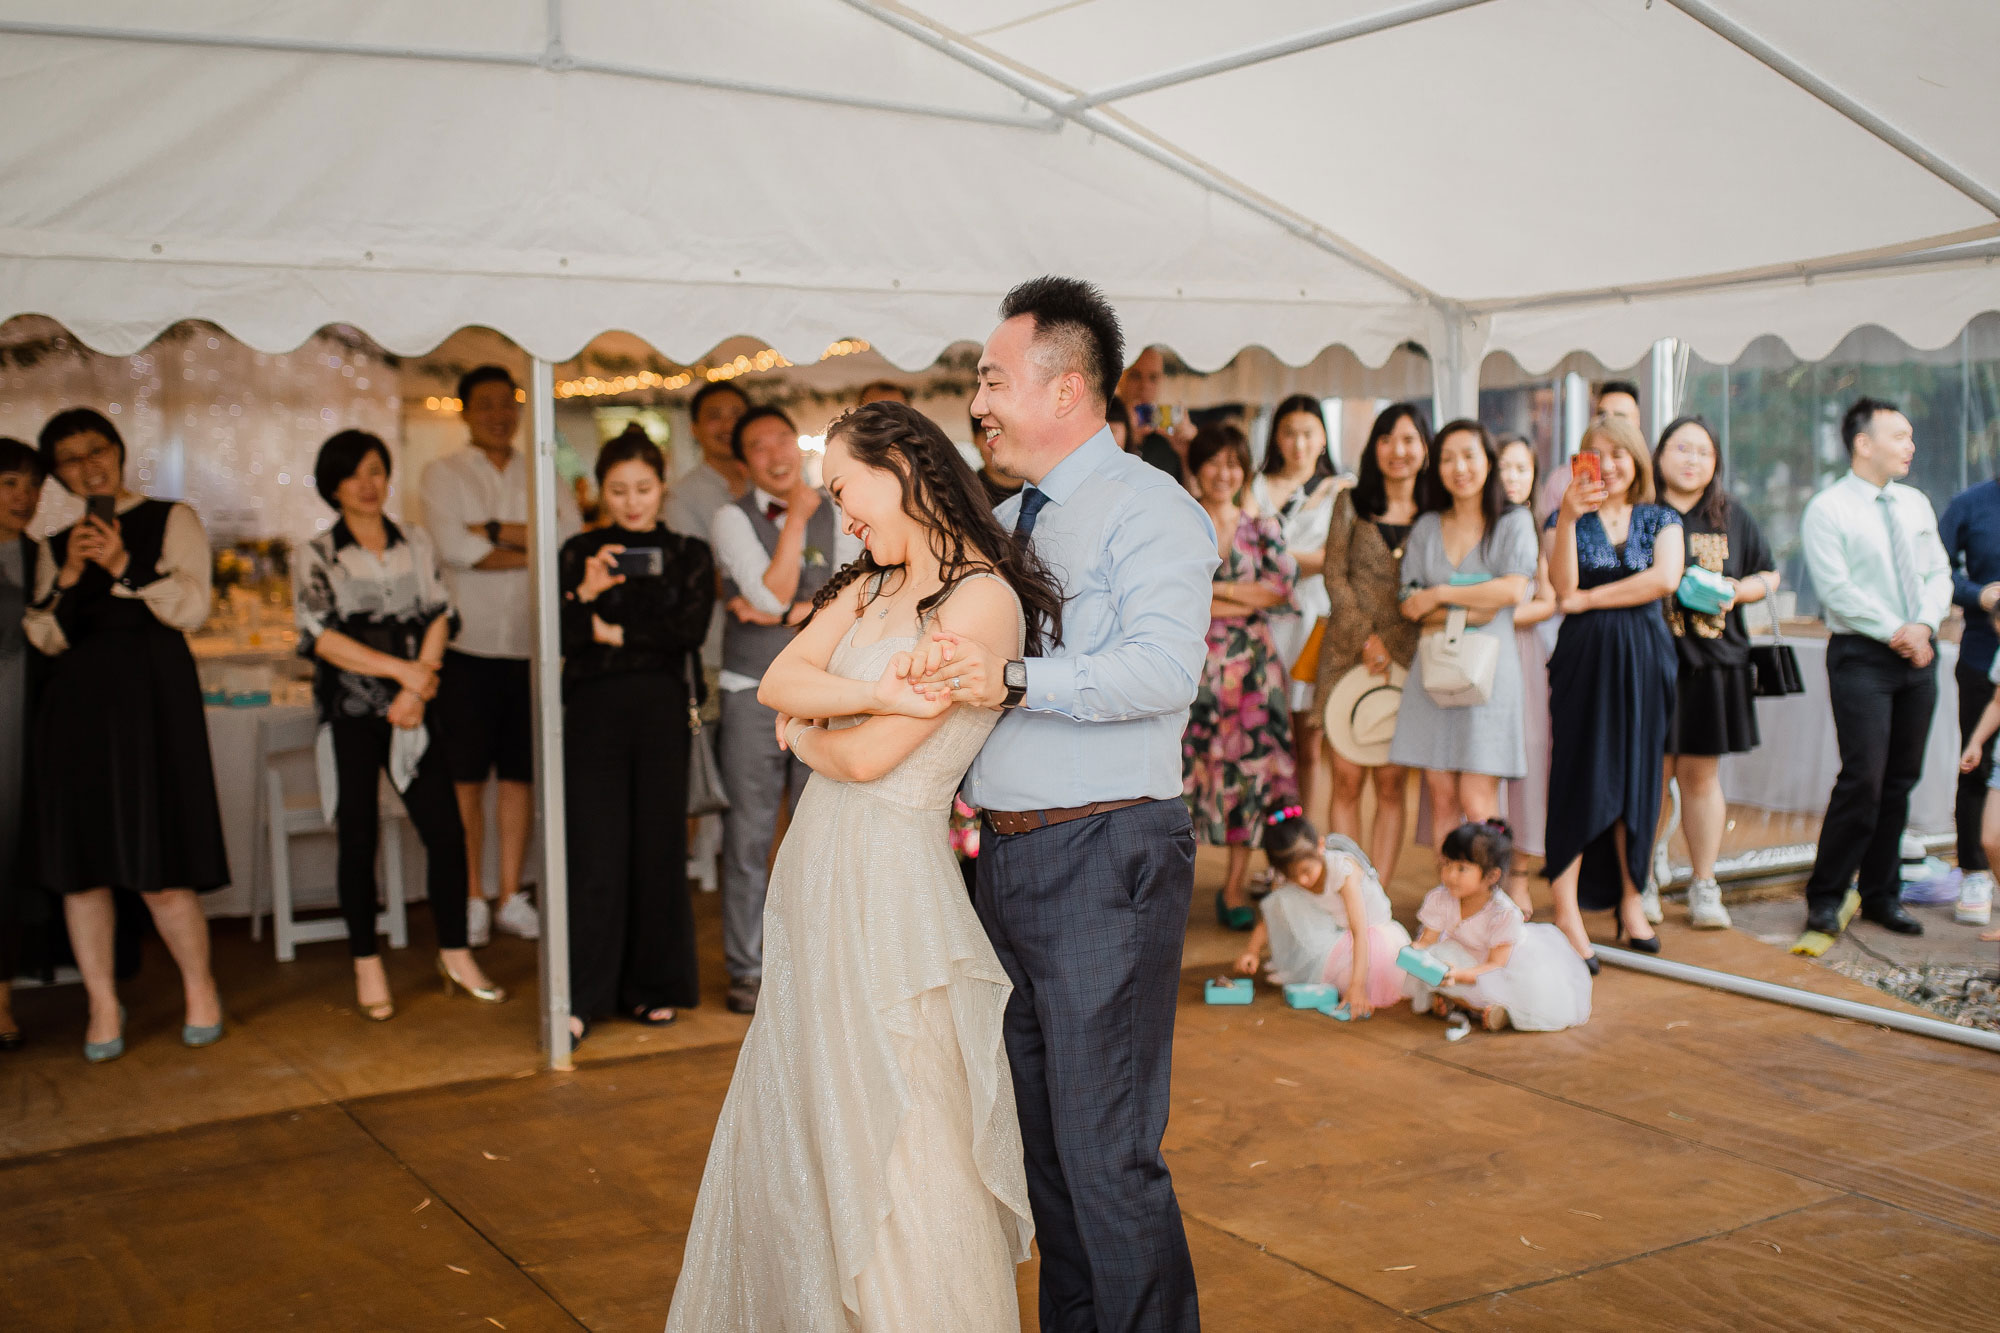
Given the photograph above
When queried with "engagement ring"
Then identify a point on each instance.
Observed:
(954, 682)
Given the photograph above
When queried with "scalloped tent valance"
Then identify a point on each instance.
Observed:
(1528, 176)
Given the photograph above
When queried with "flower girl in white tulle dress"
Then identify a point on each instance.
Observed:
(1316, 921)
(1508, 973)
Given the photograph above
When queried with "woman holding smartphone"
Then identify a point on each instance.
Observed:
(126, 791)
(374, 615)
(636, 605)
(1611, 681)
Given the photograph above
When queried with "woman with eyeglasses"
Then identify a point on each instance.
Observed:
(126, 790)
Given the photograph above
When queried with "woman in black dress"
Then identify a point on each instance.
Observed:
(636, 604)
(1611, 684)
(124, 786)
(374, 615)
(1714, 702)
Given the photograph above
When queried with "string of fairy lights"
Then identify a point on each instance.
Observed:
(595, 386)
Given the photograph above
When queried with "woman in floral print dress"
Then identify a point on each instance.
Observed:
(1236, 754)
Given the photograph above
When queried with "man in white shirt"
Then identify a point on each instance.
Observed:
(1884, 585)
(776, 547)
(476, 510)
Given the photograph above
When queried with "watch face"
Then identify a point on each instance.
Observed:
(1015, 676)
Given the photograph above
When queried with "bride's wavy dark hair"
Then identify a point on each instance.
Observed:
(945, 498)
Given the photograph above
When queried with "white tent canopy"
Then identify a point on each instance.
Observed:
(1530, 176)
(1534, 176)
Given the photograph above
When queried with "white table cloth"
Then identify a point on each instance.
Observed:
(1794, 768)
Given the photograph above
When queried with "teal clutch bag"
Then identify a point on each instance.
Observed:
(1223, 990)
(1704, 592)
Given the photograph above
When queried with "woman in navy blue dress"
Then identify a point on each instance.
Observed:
(1615, 555)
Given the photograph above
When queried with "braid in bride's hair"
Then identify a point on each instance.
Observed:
(941, 493)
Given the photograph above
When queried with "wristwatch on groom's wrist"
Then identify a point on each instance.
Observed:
(1015, 677)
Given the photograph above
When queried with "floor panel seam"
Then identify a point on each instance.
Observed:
(1625, 1259)
(1292, 1263)
(444, 1200)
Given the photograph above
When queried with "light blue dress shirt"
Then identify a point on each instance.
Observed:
(1853, 570)
(1104, 713)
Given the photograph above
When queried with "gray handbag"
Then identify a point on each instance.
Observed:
(706, 795)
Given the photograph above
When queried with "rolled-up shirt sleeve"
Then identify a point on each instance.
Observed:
(743, 559)
(446, 520)
(179, 590)
(1161, 561)
(40, 624)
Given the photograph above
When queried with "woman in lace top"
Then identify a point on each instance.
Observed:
(1611, 684)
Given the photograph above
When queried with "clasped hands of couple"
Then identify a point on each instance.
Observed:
(943, 670)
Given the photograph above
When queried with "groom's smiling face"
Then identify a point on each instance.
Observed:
(1015, 401)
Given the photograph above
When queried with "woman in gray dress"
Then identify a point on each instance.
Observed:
(1475, 551)
(24, 909)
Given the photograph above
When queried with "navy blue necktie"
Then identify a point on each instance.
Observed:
(1032, 501)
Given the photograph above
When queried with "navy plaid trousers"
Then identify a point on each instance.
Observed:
(1088, 918)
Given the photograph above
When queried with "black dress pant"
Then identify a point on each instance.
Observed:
(631, 923)
(1088, 918)
(1975, 691)
(360, 755)
(1882, 710)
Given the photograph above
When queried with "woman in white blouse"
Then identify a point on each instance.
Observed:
(125, 789)
(1296, 485)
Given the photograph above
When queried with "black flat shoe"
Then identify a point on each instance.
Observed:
(644, 1014)
(1893, 916)
(12, 1041)
(1592, 963)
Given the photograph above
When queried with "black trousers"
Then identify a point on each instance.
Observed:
(1088, 918)
(1975, 691)
(631, 922)
(1882, 710)
(360, 755)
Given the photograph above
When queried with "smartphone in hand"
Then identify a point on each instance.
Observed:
(1587, 467)
(103, 508)
(640, 562)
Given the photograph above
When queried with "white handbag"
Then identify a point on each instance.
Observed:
(1458, 665)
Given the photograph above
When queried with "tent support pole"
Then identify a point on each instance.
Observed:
(544, 539)
(1662, 367)
(1748, 42)
(1455, 359)
(1288, 46)
(1919, 1024)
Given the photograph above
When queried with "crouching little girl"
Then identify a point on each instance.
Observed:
(1508, 973)
(1328, 920)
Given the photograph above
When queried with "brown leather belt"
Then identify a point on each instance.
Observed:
(1027, 821)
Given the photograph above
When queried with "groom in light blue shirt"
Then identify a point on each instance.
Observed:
(1088, 861)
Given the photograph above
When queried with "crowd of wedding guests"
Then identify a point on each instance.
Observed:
(1546, 652)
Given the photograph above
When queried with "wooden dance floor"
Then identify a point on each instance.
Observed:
(1689, 1160)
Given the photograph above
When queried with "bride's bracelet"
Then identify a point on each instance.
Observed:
(799, 727)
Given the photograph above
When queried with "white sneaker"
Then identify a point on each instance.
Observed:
(517, 916)
(478, 923)
(1705, 909)
(1975, 899)
(1649, 902)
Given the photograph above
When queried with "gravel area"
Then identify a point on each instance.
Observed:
(1967, 996)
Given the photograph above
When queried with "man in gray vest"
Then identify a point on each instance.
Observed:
(776, 547)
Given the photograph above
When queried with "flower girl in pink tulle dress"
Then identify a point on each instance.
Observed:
(1506, 972)
(1314, 922)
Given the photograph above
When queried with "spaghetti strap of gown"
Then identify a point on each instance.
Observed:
(866, 1171)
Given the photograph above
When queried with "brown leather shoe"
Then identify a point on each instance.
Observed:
(742, 998)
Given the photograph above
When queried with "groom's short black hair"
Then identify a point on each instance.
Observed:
(1075, 328)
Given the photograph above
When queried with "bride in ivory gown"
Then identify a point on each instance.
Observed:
(866, 1172)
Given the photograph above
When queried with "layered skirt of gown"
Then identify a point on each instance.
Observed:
(866, 1172)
